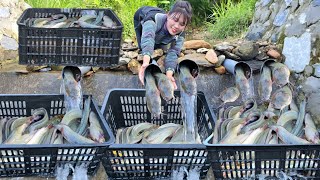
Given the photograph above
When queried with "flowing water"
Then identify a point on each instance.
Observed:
(189, 116)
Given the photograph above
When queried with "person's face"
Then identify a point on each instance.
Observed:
(176, 23)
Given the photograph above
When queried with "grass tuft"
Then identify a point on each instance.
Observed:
(231, 18)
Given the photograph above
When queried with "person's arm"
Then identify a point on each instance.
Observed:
(172, 58)
(148, 37)
(173, 54)
(147, 45)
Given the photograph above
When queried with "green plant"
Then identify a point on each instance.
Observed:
(230, 18)
(201, 11)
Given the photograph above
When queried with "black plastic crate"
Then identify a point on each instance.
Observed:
(41, 160)
(68, 46)
(127, 107)
(244, 161)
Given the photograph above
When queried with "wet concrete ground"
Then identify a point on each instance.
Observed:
(98, 85)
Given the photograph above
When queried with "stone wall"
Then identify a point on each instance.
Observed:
(295, 25)
(10, 11)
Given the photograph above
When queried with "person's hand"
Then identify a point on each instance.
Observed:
(146, 61)
(171, 78)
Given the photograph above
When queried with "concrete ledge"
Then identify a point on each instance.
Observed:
(99, 83)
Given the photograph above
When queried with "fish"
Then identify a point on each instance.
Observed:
(188, 93)
(178, 135)
(234, 122)
(265, 84)
(288, 137)
(252, 138)
(138, 130)
(95, 130)
(310, 130)
(71, 136)
(230, 94)
(248, 106)
(159, 135)
(281, 97)
(108, 22)
(299, 123)
(187, 81)
(84, 24)
(58, 139)
(39, 22)
(2, 127)
(274, 139)
(164, 85)
(7, 127)
(85, 116)
(71, 117)
(223, 128)
(263, 137)
(280, 73)
(39, 136)
(253, 121)
(287, 117)
(18, 122)
(233, 133)
(16, 134)
(71, 88)
(118, 136)
(235, 112)
(39, 123)
(242, 83)
(98, 20)
(293, 106)
(189, 115)
(216, 131)
(152, 96)
(55, 19)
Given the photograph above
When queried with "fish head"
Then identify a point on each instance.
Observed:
(281, 99)
(281, 76)
(230, 94)
(189, 85)
(154, 103)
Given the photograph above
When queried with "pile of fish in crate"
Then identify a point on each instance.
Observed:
(158, 130)
(276, 138)
(38, 135)
(42, 133)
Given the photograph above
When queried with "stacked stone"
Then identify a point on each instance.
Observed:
(10, 11)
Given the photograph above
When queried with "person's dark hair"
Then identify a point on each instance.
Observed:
(184, 8)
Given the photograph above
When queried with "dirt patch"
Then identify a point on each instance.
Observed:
(202, 33)
(11, 65)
